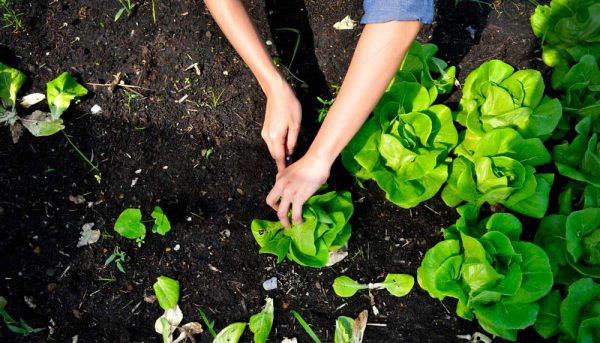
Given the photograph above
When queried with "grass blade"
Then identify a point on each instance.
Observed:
(210, 325)
(305, 326)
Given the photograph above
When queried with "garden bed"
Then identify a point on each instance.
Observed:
(161, 140)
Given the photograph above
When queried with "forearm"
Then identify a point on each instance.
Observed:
(234, 21)
(378, 55)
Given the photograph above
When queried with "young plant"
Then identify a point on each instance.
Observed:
(404, 146)
(325, 229)
(167, 294)
(572, 243)
(118, 257)
(326, 104)
(576, 317)
(10, 18)
(209, 324)
(306, 327)
(580, 159)
(349, 330)
(19, 327)
(130, 97)
(501, 170)
(262, 322)
(397, 285)
(496, 277)
(231, 333)
(127, 6)
(495, 96)
(568, 29)
(130, 224)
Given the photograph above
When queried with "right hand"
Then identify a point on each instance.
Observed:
(282, 122)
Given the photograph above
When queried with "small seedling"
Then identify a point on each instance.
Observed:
(215, 99)
(306, 327)
(167, 294)
(209, 324)
(130, 97)
(153, 12)
(348, 330)
(398, 285)
(127, 6)
(11, 18)
(262, 322)
(130, 224)
(326, 104)
(208, 153)
(118, 257)
(20, 327)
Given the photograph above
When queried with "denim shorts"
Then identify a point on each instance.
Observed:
(379, 11)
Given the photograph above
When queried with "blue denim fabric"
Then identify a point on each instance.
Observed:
(379, 11)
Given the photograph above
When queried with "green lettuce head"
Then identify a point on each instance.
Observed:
(495, 277)
(495, 96)
(581, 86)
(501, 170)
(572, 243)
(576, 317)
(325, 229)
(568, 29)
(404, 146)
(580, 159)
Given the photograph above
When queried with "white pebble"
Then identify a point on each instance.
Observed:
(177, 247)
(270, 284)
(96, 109)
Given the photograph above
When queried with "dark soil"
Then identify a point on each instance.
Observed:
(210, 201)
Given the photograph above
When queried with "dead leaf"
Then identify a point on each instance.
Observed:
(88, 236)
(345, 24)
(32, 99)
(79, 199)
(16, 131)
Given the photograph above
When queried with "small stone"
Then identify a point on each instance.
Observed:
(208, 34)
(151, 299)
(76, 313)
(96, 109)
(270, 284)
(37, 250)
(177, 247)
(225, 73)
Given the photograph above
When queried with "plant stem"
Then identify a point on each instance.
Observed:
(296, 47)
(305, 326)
(209, 325)
(94, 167)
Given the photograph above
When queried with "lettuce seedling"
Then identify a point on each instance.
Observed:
(404, 146)
(130, 224)
(495, 96)
(398, 285)
(576, 317)
(11, 81)
(167, 294)
(581, 85)
(572, 243)
(501, 170)
(325, 229)
(568, 29)
(349, 330)
(231, 333)
(421, 66)
(580, 159)
(495, 277)
(262, 322)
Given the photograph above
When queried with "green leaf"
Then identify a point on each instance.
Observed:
(537, 274)
(262, 322)
(61, 91)
(398, 285)
(580, 294)
(167, 292)
(231, 333)
(432, 261)
(11, 81)
(551, 237)
(161, 222)
(548, 317)
(507, 316)
(346, 287)
(129, 224)
(41, 124)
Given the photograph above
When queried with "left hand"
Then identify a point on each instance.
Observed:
(295, 184)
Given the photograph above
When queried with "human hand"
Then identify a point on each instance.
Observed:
(295, 184)
(282, 123)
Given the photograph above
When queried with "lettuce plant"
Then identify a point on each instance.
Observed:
(568, 29)
(325, 229)
(581, 86)
(580, 159)
(421, 66)
(576, 317)
(350, 330)
(572, 243)
(11, 81)
(495, 96)
(404, 146)
(496, 277)
(501, 170)
(397, 285)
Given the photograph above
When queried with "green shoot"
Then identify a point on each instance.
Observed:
(326, 104)
(20, 327)
(97, 175)
(127, 6)
(305, 326)
(296, 46)
(208, 153)
(216, 99)
(153, 12)
(130, 97)
(10, 17)
(210, 325)
(118, 257)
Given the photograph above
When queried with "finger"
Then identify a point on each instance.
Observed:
(274, 196)
(292, 139)
(297, 212)
(277, 148)
(282, 212)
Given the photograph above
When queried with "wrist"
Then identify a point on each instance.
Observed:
(273, 83)
(323, 156)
